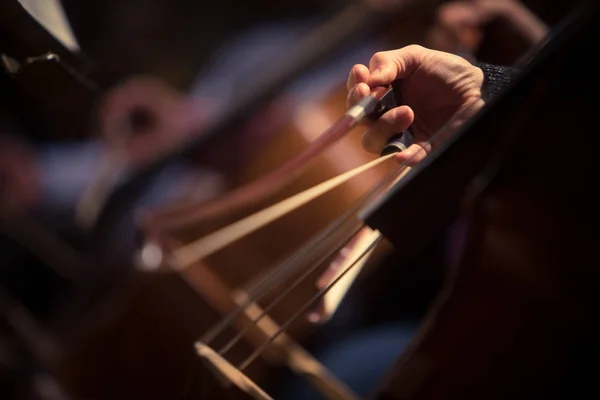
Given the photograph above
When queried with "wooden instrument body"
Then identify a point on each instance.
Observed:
(513, 318)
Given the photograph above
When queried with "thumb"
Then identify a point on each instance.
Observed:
(383, 75)
(414, 154)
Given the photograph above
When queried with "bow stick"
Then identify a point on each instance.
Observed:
(184, 215)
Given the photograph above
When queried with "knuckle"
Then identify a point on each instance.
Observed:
(415, 48)
(379, 57)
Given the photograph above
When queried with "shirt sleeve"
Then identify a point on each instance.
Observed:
(496, 78)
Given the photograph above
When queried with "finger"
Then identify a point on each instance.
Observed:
(387, 66)
(358, 74)
(391, 123)
(356, 93)
(413, 154)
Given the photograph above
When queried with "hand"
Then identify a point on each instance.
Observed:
(463, 19)
(19, 176)
(435, 86)
(459, 24)
(455, 14)
(147, 117)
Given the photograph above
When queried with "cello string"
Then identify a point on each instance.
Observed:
(252, 297)
(242, 366)
(393, 178)
(399, 174)
(307, 272)
(279, 274)
(299, 256)
(210, 244)
(291, 263)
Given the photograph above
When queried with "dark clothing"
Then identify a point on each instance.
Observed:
(496, 78)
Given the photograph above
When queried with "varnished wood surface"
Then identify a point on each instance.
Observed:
(511, 322)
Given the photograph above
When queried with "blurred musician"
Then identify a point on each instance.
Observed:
(494, 31)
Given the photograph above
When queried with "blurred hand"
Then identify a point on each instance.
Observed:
(434, 87)
(146, 117)
(472, 12)
(19, 181)
(459, 23)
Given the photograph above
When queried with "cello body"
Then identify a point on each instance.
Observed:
(517, 315)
